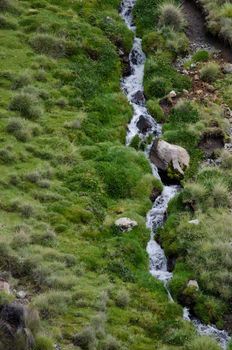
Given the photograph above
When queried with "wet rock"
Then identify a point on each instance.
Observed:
(227, 68)
(193, 284)
(155, 194)
(194, 222)
(136, 57)
(169, 158)
(125, 62)
(143, 124)
(125, 224)
(4, 286)
(138, 98)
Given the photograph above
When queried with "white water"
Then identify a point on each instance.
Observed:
(155, 217)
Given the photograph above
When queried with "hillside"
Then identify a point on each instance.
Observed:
(67, 176)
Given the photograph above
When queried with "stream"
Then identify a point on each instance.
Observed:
(132, 86)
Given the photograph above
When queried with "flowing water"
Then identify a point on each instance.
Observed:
(132, 86)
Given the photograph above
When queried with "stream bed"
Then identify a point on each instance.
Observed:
(132, 86)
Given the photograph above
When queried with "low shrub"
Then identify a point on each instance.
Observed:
(26, 104)
(41, 75)
(210, 72)
(47, 238)
(47, 44)
(171, 15)
(6, 156)
(226, 160)
(156, 111)
(6, 5)
(122, 299)
(110, 343)
(6, 23)
(14, 125)
(202, 343)
(86, 339)
(158, 87)
(23, 79)
(52, 303)
(178, 44)
(152, 41)
(43, 343)
(184, 112)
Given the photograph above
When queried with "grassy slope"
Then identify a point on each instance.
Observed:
(218, 18)
(202, 252)
(64, 179)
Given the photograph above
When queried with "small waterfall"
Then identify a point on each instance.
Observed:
(132, 86)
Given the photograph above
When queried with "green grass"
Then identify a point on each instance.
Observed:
(66, 176)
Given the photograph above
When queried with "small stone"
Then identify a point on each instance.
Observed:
(210, 88)
(185, 91)
(227, 68)
(194, 222)
(21, 294)
(172, 94)
(4, 287)
(199, 92)
(193, 284)
(196, 77)
(185, 72)
(125, 224)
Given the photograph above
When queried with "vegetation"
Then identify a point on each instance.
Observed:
(218, 18)
(199, 251)
(64, 181)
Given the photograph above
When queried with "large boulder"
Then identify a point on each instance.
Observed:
(171, 160)
(125, 224)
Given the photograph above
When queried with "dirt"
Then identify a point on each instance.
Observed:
(197, 31)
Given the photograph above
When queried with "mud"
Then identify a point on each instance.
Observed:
(198, 34)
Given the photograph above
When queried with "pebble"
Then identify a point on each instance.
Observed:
(21, 294)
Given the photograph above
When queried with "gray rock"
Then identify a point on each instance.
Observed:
(227, 68)
(163, 154)
(125, 224)
(193, 284)
(21, 294)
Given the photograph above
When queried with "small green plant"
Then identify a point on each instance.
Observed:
(155, 110)
(43, 343)
(201, 56)
(171, 15)
(210, 72)
(26, 104)
(158, 87)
